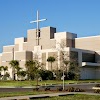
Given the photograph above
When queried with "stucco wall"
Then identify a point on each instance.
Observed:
(88, 43)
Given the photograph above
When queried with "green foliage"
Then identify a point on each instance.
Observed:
(46, 74)
(73, 89)
(33, 68)
(59, 74)
(97, 91)
(47, 89)
(21, 73)
(97, 85)
(6, 74)
(15, 66)
(51, 59)
(59, 88)
(35, 89)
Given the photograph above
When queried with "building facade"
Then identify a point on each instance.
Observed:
(87, 51)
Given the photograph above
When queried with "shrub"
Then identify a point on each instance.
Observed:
(47, 88)
(59, 89)
(97, 91)
(72, 89)
(35, 89)
(78, 90)
(97, 85)
(46, 75)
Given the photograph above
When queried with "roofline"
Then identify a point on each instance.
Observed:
(41, 27)
(88, 37)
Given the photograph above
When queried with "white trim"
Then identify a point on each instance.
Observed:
(8, 45)
(20, 37)
(88, 37)
(42, 27)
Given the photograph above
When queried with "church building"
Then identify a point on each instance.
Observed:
(45, 42)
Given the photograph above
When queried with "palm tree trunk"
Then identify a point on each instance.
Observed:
(51, 66)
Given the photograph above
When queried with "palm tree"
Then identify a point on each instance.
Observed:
(4, 68)
(51, 59)
(21, 74)
(15, 66)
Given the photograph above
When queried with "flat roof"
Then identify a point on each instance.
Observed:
(88, 37)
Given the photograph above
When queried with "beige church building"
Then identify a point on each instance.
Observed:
(42, 43)
(24, 49)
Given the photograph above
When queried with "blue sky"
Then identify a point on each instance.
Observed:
(77, 16)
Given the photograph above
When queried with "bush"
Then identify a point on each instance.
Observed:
(97, 91)
(78, 90)
(59, 89)
(47, 89)
(46, 75)
(97, 85)
(72, 89)
(35, 89)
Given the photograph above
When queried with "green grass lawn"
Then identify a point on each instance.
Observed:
(11, 94)
(74, 97)
(68, 97)
(48, 82)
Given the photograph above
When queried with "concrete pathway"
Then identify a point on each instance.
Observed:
(28, 97)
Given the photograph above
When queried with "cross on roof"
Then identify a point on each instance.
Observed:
(37, 21)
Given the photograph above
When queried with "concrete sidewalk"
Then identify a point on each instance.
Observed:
(28, 97)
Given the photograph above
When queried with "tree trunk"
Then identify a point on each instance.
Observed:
(51, 66)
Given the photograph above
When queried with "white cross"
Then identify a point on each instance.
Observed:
(37, 21)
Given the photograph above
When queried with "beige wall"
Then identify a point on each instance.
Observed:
(45, 34)
(24, 55)
(45, 40)
(65, 38)
(54, 64)
(88, 43)
(25, 46)
(10, 48)
(31, 39)
(7, 57)
(44, 60)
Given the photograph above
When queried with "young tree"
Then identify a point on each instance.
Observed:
(51, 59)
(30, 69)
(67, 59)
(33, 67)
